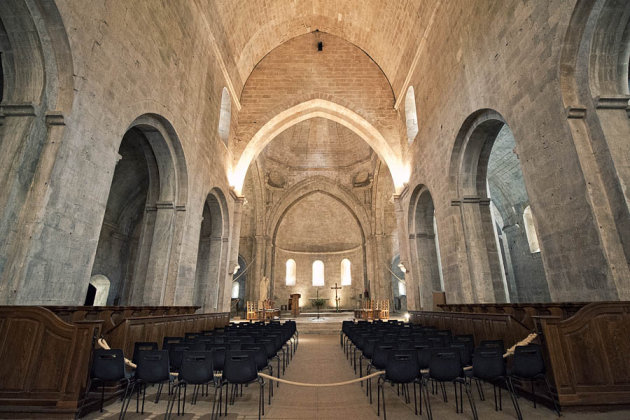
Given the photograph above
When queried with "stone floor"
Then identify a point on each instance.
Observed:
(320, 359)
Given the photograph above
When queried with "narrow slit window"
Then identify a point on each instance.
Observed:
(318, 273)
(346, 272)
(290, 273)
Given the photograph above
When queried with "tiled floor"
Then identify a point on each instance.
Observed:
(320, 359)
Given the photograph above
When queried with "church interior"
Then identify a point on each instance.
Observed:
(311, 209)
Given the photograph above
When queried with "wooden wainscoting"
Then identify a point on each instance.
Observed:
(486, 326)
(155, 328)
(522, 312)
(590, 354)
(44, 362)
(114, 315)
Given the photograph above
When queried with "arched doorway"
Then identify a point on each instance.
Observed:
(136, 243)
(492, 201)
(212, 253)
(426, 265)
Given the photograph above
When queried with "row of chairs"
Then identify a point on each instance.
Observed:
(233, 355)
(415, 354)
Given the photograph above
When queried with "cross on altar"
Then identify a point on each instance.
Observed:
(337, 299)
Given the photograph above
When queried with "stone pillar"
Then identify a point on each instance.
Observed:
(483, 260)
(235, 235)
(25, 139)
(257, 273)
(159, 255)
(411, 283)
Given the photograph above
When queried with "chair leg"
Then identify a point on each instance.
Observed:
(494, 390)
(144, 394)
(383, 396)
(553, 399)
(471, 401)
(456, 399)
(159, 393)
(517, 408)
(169, 406)
(378, 397)
(415, 401)
(482, 397)
(184, 400)
(127, 399)
(427, 401)
(214, 401)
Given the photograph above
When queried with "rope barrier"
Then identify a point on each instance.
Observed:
(352, 381)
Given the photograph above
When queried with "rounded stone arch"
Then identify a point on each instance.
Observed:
(323, 185)
(496, 268)
(594, 82)
(212, 253)
(467, 185)
(469, 158)
(169, 154)
(323, 108)
(38, 67)
(426, 267)
(150, 239)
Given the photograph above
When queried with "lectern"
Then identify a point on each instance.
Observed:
(294, 303)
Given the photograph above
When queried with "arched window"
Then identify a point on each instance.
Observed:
(318, 273)
(402, 288)
(411, 116)
(225, 116)
(235, 289)
(290, 273)
(346, 272)
(530, 230)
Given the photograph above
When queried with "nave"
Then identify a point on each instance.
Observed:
(320, 359)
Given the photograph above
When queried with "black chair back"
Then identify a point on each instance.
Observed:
(170, 340)
(218, 355)
(108, 365)
(139, 346)
(260, 354)
(402, 366)
(381, 353)
(196, 367)
(488, 364)
(493, 344)
(445, 364)
(153, 366)
(528, 361)
(240, 367)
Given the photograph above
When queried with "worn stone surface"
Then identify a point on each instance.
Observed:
(78, 77)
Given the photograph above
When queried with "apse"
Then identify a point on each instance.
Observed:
(322, 238)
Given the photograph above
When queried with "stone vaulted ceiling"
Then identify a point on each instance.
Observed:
(388, 31)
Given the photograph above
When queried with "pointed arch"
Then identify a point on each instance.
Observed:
(325, 109)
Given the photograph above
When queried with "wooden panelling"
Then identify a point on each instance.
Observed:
(45, 362)
(589, 354)
(522, 312)
(483, 326)
(114, 315)
(155, 328)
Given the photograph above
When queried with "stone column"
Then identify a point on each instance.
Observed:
(159, 256)
(235, 235)
(258, 272)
